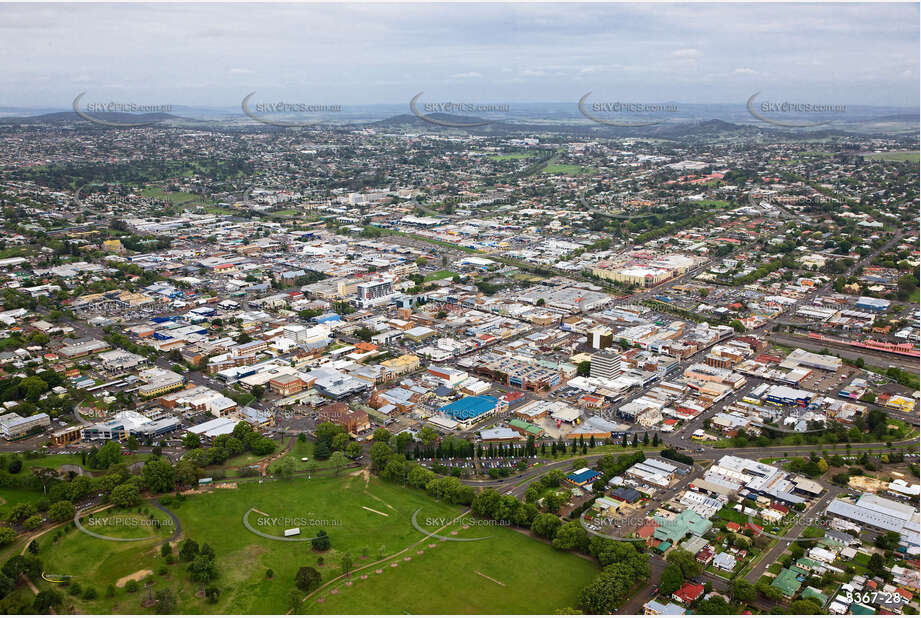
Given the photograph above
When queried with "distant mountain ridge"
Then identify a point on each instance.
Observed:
(114, 117)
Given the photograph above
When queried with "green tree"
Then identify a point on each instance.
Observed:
(672, 579)
(7, 535)
(188, 550)
(125, 495)
(307, 578)
(158, 475)
(338, 461)
(321, 541)
(62, 511)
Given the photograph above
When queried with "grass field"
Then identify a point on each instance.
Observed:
(176, 198)
(511, 156)
(12, 497)
(894, 156)
(365, 517)
(506, 573)
(56, 461)
(217, 210)
(298, 451)
(441, 274)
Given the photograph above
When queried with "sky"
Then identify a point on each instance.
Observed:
(353, 54)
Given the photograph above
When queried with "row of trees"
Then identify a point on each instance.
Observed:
(241, 440)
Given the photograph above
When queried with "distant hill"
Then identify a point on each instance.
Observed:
(584, 129)
(71, 117)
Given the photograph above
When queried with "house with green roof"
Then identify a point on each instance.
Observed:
(806, 564)
(525, 428)
(858, 609)
(815, 594)
(786, 582)
(675, 529)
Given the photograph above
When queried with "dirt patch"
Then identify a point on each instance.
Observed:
(866, 483)
(255, 510)
(137, 575)
(226, 486)
(368, 508)
(364, 473)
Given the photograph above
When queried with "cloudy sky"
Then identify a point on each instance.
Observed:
(214, 54)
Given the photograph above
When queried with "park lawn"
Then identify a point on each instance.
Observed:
(10, 252)
(914, 157)
(11, 497)
(244, 557)
(176, 198)
(567, 169)
(123, 523)
(217, 210)
(506, 572)
(216, 518)
(298, 451)
(511, 156)
(285, 213)
(97, 562)
(441, 274)
(56, 461)
(246, 459)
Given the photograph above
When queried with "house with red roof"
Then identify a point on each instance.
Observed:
(688, 593)
(705, 556)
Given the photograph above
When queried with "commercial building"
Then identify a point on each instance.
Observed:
(286, 385)
(407, 363)
(676, 528)
(83, 348)
(605, 364)
(14, 426)
(158, 381)
(131, 423)
(214, 427)
(353, 421)
(880, 515)
(583, 477)
(877, 305)
(375, 293)
(469, 409)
